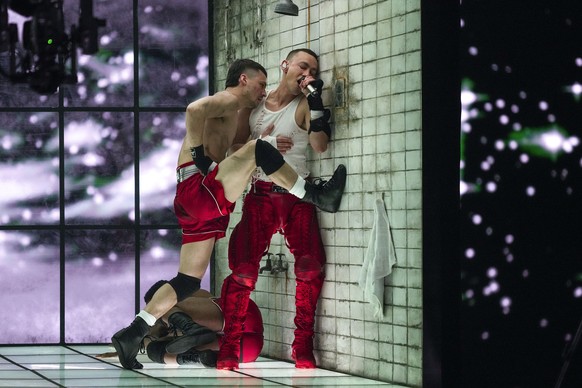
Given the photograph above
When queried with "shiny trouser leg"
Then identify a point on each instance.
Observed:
(248, 243)
(304, 241)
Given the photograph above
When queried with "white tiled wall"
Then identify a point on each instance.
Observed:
(374, 47)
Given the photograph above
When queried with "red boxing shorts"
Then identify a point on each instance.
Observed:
(251, 342)
(201, 207)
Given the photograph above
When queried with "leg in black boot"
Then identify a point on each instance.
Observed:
(127, 341)
(328, 196)
(194, 334)
(193, 356)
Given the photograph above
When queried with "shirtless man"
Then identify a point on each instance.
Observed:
(209, 183)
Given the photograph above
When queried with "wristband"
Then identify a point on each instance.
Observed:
(315, 114)
(272, 140)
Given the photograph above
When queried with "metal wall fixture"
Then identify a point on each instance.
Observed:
(277, 267)
(287, 7)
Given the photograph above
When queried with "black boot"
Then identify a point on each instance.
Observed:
(328, 196)
(194, 334)
(204, 357)
(127, 342)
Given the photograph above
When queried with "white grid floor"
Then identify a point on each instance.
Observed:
(77, 366)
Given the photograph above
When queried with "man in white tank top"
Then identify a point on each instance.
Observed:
(290, 121)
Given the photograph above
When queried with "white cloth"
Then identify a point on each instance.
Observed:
(379, 259)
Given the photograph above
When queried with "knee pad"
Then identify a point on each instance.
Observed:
(150, 293)
(156, 351)
(308, 268)
(184, 285)
(268, 157)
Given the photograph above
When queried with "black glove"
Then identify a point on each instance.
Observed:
(314, 99)
(202, 161)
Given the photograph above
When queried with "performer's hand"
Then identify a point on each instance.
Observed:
(202, 161)
(106, 355)
(282, 143)
(313, 99)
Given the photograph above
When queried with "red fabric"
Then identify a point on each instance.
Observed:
(201, 207)
(265, 213)
(251, 342)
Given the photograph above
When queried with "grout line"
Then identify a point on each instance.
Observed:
(31, 370)
(138, 371)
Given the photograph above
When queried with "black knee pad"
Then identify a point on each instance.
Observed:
(268, 157)
(184, 285)
(152, 290)
(156, 351)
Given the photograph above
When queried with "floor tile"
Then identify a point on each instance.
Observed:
(77, 366)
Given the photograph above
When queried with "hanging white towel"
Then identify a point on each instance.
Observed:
(379, 259)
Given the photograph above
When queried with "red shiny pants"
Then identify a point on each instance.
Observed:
(266, 212)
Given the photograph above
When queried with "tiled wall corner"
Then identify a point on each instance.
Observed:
(372, 47)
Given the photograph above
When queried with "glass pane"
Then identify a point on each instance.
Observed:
(105, 78)
(173, 59)
(99, 168)
(161, 136)
(17, 89)
(30, 277)
(99, 284)
(29, 155)
(160, 257)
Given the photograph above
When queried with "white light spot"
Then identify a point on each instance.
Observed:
(492, 272)
(509, 239)
(578, 292)
(97, 261)
(128, 58)
(530, 191)
(26, 214)
(157, 252)
(543, 105)
(485, 335)
(505, 301)
(544, 322)
(469, 253)
(473, 50)
(491, 187)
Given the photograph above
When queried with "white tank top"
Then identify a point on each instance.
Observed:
(285, 125)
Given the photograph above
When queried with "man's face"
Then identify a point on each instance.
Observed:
(256, 85)
(301, 65)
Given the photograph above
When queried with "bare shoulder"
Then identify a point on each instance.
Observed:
(217, 105)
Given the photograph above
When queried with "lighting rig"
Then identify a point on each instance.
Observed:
(41, 58)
